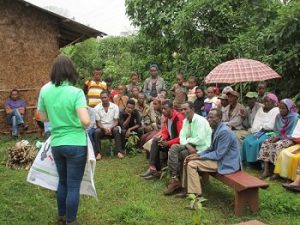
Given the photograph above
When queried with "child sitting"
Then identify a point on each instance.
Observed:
(134, 94)
(133, 83)
(179, 91)
(199, 102)
(192, 85)
(211, 101)
(120, 99)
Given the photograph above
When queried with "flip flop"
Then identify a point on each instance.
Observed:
(98, 157)
(291, 187)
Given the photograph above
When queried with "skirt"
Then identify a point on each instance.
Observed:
(287, 162)
(251, 146)
(270, 151)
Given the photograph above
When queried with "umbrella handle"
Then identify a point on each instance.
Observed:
(216, 90)
(241, 90)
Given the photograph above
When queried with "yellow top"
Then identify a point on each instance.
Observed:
(94, 91)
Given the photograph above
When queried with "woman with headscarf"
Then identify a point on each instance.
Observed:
(289, 158)
(285, 123)
(262, 128)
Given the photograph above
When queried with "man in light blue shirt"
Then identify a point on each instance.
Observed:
(195, 137)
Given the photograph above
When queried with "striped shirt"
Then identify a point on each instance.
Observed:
(94, 91)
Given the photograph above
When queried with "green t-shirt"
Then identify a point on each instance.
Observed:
(60, 103)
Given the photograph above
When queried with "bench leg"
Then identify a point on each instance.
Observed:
(245, 198)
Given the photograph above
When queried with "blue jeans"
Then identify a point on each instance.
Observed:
(15, 119)
(70, 162)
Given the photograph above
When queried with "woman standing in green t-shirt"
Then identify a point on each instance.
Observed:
(65, 107)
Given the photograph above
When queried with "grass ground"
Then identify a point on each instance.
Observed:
(125, 198)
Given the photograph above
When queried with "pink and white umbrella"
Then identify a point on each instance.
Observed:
(240, 70)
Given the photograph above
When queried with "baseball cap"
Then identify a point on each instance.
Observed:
(234, 93)
(222, 96)
(227, 89)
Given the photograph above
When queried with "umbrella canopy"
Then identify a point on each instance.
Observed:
(240, 70)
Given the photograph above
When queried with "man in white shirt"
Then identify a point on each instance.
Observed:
(91, 129)
(107, 116)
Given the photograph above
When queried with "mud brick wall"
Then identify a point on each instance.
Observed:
(28, 46)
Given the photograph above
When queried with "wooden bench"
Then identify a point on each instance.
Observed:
(245, 186)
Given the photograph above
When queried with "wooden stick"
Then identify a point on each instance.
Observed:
(21, 89)
(27, 107)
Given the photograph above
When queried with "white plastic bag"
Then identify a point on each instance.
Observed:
(43, 171)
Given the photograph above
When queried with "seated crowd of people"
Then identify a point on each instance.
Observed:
(191, 129)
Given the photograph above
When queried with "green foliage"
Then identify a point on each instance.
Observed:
(132, 144)
(165, 175)
(296, 99)
(85, 57)
(283, 47)
(118, 56)
(155, 20)
(195, 36)
(196, 204)
(205, 33)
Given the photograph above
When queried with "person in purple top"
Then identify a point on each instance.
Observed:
(15, 110)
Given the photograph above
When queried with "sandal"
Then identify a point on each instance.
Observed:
(121, 155)
(294, 188)
(61, 220)
(98, 157)
(274, 177)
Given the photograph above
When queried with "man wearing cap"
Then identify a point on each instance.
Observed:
(232, 112)
(224, 98)
(226, 90)
(224, 101)
(252, 106)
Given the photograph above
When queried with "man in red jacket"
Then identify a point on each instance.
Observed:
(169, 136)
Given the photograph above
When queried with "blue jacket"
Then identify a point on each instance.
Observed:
(225, 149)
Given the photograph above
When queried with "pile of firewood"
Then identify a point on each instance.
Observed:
(21, 156)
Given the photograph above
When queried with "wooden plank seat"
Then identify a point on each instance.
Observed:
(246, 189)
